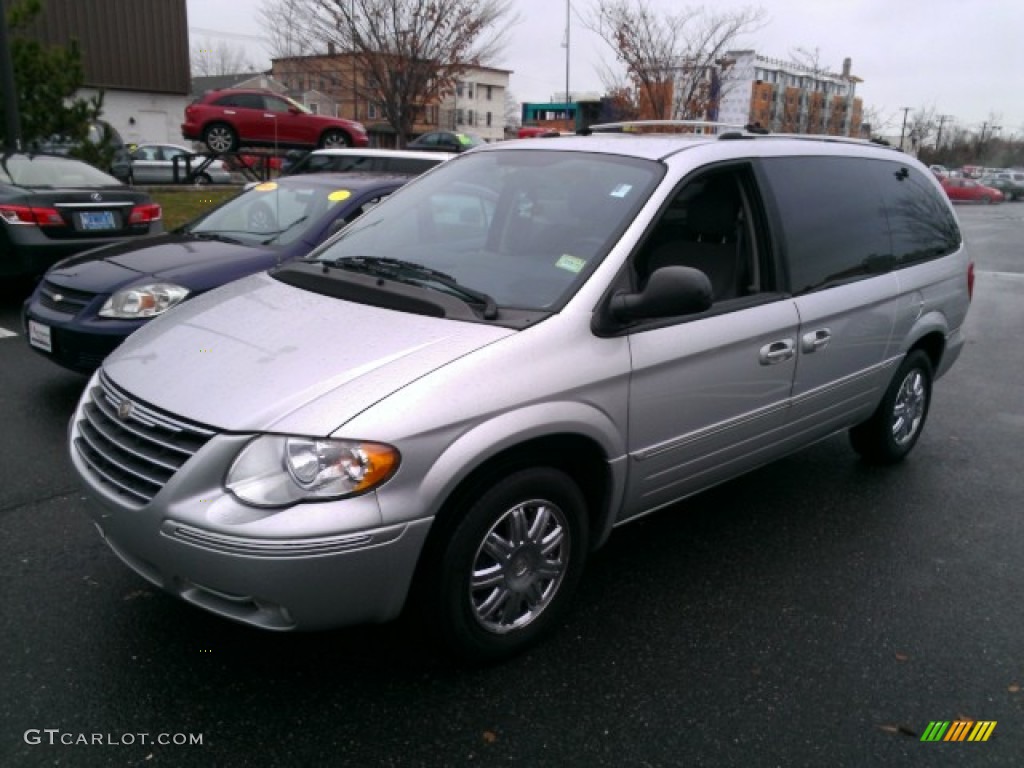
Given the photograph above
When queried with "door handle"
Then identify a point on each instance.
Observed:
(777, 352)
(815, 340)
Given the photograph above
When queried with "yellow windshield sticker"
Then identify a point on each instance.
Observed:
(339, 194)
(570, 263)
(267, 186)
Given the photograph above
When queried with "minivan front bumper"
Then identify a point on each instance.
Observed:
(304, 567)
(272, 584)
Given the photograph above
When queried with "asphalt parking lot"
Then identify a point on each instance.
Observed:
(817, 612)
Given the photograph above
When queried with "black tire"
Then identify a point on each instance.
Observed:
(892, 431)
(220, 138)
(203, 179)
(333, 138)
(528, 533)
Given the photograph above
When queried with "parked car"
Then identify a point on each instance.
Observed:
(228, 119)
(52, 207)
(155, 164)
(449, 406)
(964, 190)
(445, 141)
(85, 306)
(120, 160)
(1010, 183)
(369, 161)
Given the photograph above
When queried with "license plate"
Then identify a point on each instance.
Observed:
(93, 220)
(39, 336)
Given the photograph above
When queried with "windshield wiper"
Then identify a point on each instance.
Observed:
(415, 274)
(220, 236)
(276, 234)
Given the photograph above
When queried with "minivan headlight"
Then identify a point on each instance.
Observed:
(275, 470)
(147, 300)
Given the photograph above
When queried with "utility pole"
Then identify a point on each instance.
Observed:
(938, 138)
(903, 131)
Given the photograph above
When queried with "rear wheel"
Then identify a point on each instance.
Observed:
(334, 139)
(892, 431)
(505, 573)
(220, 138)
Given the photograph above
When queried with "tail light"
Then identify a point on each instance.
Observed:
(970, 281)
(143, 214)
(23, 214)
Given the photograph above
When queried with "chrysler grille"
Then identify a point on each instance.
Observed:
(133, 449)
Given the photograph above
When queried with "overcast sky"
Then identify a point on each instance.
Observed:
(962, 58)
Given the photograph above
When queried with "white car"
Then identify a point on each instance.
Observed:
(371, 160)
(154, 164)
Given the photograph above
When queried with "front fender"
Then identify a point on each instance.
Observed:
(488, 439)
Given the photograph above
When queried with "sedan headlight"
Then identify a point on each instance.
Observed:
(275, 470)
(143, 301)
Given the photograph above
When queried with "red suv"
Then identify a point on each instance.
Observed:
(228, 119)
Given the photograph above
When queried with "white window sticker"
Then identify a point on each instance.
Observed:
(570, 263)
(622, 190)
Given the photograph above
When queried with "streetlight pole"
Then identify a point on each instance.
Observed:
(567, 6)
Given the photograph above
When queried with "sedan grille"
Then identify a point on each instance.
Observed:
(64, 300)
(133, 449)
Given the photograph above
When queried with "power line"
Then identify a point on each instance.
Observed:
(232, 35)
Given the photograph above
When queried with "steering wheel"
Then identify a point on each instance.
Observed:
(261, 218)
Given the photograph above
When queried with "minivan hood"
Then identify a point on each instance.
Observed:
(258, 355)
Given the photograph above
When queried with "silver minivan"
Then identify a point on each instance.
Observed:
(448, 406)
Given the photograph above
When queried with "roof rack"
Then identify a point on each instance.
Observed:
(722, 131)
(698, 127)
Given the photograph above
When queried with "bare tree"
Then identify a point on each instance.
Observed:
(286, 25)
(676, 60)
(922, 125)
(513, 111)
(408, 53)
(213, 57)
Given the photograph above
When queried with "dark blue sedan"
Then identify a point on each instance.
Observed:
(88, 304)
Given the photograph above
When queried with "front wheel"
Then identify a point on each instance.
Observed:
(892, 431)
(334, 139)
(505, 574)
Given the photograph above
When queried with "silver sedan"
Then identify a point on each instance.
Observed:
(154, 164)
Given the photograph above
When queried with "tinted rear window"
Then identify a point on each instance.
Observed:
(844, 218)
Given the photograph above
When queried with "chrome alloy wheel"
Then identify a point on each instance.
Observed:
(908, 410)
(519, 566)
(219, 138)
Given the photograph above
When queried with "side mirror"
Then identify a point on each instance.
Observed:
(670, 291)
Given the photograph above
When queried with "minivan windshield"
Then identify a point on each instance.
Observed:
(524, 227)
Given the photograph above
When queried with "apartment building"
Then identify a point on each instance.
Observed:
(787, 97)
(477, 103)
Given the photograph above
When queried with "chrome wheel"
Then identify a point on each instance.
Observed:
(909, 408)
(220, 138)
(519, 566)
(893, 429)
(334, 140)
